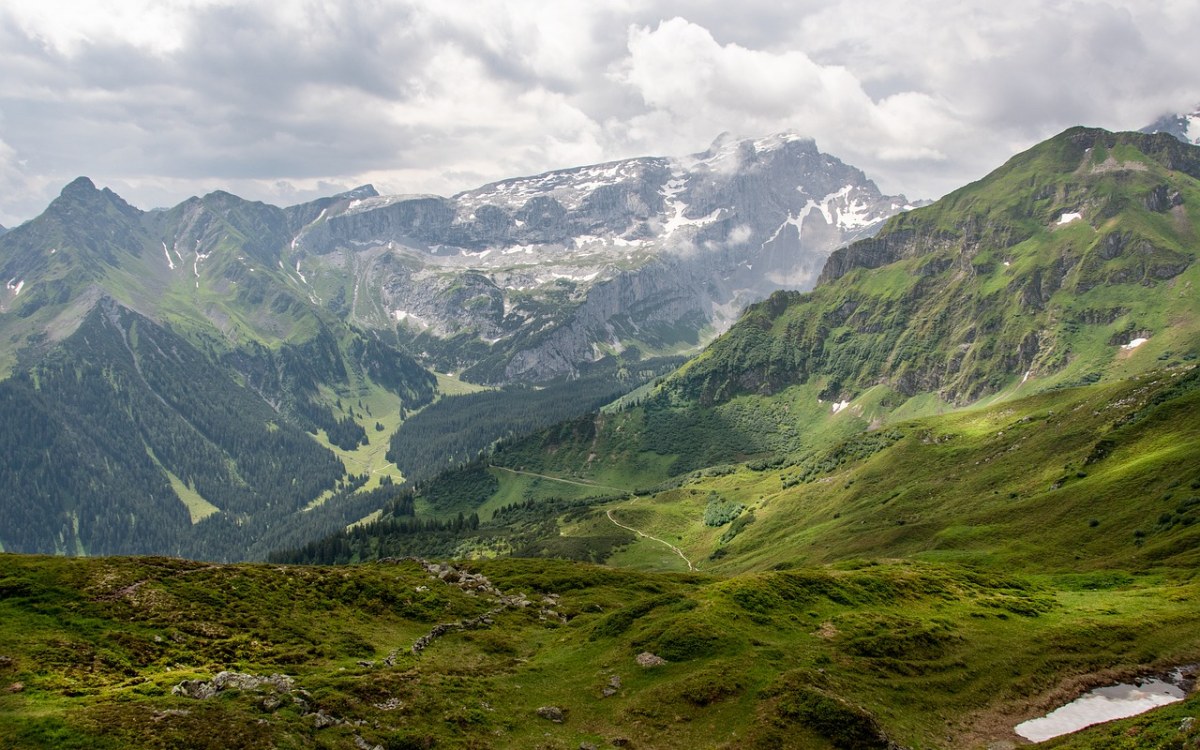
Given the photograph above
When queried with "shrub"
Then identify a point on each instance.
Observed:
(708, 687)
(720, 511)
(737, 526)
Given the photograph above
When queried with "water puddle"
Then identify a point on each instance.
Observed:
(1109, 703)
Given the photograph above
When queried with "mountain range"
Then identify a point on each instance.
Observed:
(1073, 264)
(217, 378)
(524, 279)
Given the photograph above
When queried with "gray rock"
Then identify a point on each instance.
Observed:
(322, 720)
(391, 704)
(362, 744)
(647, 660)
(614, 685)
(552, 713)
(203, 689)
(160, 715)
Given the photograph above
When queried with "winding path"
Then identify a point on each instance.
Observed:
(676, 550)
(691, 568)
(564, 481)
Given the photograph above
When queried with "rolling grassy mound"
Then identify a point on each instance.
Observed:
(859, 655)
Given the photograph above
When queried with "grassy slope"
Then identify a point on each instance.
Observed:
(996, 600)
(934, 655)
(1086, 478)
(965, 296)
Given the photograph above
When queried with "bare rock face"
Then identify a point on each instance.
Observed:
(528, 278)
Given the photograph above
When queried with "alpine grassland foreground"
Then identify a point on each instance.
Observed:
(129, 652)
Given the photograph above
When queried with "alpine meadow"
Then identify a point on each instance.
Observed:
(724, 450)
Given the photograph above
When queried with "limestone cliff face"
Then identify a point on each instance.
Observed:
(534, 276)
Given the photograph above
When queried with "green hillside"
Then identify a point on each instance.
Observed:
(983, 299)
(172, 388)
(870, 655)
(988, 286)
(1077, 479)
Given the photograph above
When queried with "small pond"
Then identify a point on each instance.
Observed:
(1109, 703)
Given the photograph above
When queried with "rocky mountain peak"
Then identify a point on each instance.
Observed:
(82, 191)
(1185, 127)
(360, 192)
(524, 279)
(79, 186)
(594, 257)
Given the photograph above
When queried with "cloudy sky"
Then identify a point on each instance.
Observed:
(163, 99)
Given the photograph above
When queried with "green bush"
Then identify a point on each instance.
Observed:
(737, 526)
(620, 621)
(720, 511)
(895, 636)
(708, 687)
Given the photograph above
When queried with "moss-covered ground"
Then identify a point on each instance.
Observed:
(926, 654)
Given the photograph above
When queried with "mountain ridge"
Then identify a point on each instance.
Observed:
(496, 281)
(1074, 264)
(1028, 242)
(238, 290)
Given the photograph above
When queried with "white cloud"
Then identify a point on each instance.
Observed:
(70, 25)
(275, 101)
(692, 84)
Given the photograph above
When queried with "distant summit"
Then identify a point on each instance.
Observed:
(1184, 127)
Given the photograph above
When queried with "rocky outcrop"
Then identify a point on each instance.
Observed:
(203, 689)
(1185, 127)
(646, 660)
(552, 713)
(473, 584)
